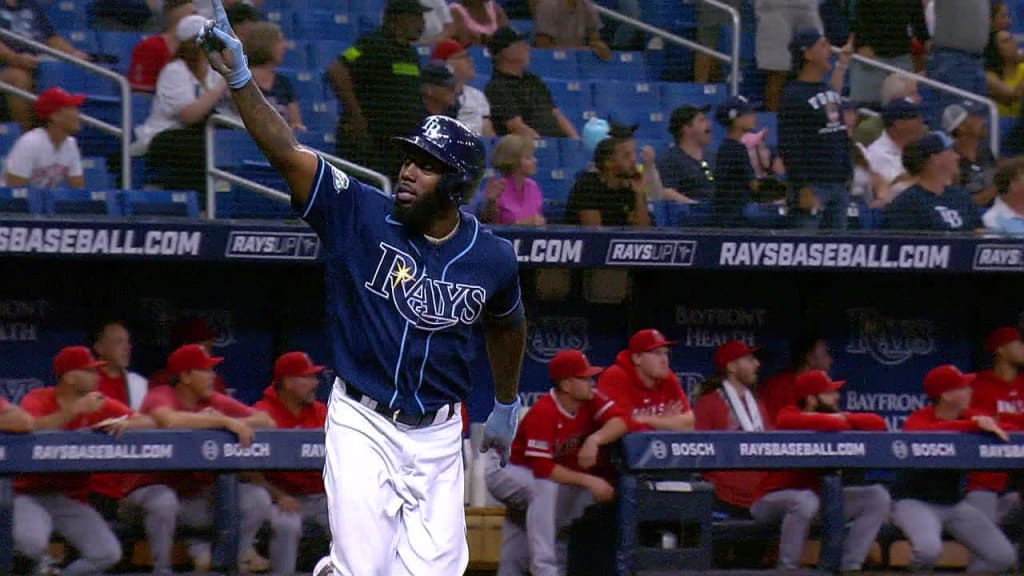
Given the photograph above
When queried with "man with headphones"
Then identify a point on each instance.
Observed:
(407, 277)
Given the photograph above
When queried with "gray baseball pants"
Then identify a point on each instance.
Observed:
(923, 523)
(286, 530)
(36, 517)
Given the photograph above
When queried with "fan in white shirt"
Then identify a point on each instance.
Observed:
(48, 156)
(903, 124)
(474, 109)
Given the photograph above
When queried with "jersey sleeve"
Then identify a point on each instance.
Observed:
(331, 210)
(505, 306)
(538, 438)
(605, 408)
(229, 406)
(866, 421)
(113, 409)
(793, 419)
(159, 397)
(34, 404)
(924, 422)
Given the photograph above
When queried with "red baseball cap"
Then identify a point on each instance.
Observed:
(815, 382)
(445, 49)
(571, 363)
(75, 358)
(1001, 337)
(191, 357)
(295, 364)
(647, 340)
(944, 378)
(732, 350)
(53, 99)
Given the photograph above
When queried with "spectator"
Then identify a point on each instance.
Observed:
(438, 24)
(897, 85)
(477, 20)
(298, 496)
(48, 156)
(135, 15)
(931, 203)
(520, 102)
(966, 123)
(734, 175)
(813, 137)
(685, 172)
(903, 125)
(882, 30)
(711, 21)
(806, 354)
(1004, 73)
(264, 48)
(930, 502)
(958, 43)
(187, 92)
(611, 196)
(1006, 215)
(242, 16)
(569, 24)
(777, 24)
(113, 345)
(154, 52)
(377, 81)
(26, 18)
(514, 198)
(1000, 16)
(474, 109)
(14, 419)
(439, 88)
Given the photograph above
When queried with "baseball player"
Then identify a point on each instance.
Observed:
(806, 352)
(929, 502)
(407, 278)
(291, 401)
(113, 344)
(999, 393)
(642, 383)
(557, 442)
(44, 503)
(13, 418)
(865, 508)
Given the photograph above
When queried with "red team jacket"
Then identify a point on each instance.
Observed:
(777, 393)
(791, 418)
(623, 386)
(549, 435)
(311, 416)
(736, 487)
(1003, 400)
(42, 402)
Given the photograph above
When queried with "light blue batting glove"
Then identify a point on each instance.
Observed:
(216, 38)
(500, 429)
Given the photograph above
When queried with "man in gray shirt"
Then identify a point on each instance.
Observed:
(961, 33)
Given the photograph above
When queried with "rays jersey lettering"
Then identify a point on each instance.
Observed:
(424, 302)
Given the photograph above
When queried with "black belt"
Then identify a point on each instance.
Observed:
(397, 416)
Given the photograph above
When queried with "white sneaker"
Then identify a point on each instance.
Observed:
(252, 562)
(324, 567)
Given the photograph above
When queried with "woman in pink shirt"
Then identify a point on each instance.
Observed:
(476, 20)
(514, 197)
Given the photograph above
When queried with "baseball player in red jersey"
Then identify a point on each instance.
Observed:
(557, 442)
(113, 344)
(998, 392)
(643, 385)
(13, 418)
(928, 502)
(298, 496)
(44, 503)
(806, 353)
(865, 508)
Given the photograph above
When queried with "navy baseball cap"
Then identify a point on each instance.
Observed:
(684, 115)
(501, 39)
(804, 39)
(900, 109)
(917, 153)
(732, 109)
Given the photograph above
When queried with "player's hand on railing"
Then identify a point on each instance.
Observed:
(244, 432)
(223, 49)
(113, 426)
(989, 424)
(588, 453)
(88, 404)
(601, 489)
(500, 429)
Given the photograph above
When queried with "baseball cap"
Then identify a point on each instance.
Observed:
(445, 49)
(804, 39)
(189, 27)
(53, 99)
(501, 39)
(74, 358)
(944, 378)
(955, 114)
(436, 73)
(1001, 337)
(396, 7)
(917, 153)
(622, 131)
(295, 364)
(732, 350)
(815, 382)
(191, 357)
(571, 363)
(900, 109)
(647, 340)
(683, 115)
(731, 109)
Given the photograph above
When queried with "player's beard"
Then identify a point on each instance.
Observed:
(419, 213)
(826, 408)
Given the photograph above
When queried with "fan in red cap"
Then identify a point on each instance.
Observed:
(48, 156)
(44, 503)
(474, 109)
(554, 452)
(298, 496)
(792, 494)
(998, 392)
(642, 383)
(930, 502)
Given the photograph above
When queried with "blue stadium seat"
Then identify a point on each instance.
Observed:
(160, 203)
(765, 215)
(318, 139)
(573, 97)
(141, 103)
(559, 64)
(673, 15)
(119, 45)
(234, 147)
(675, 94)
(611, 95)
(9, 133)
(284, 18)
(68, 15)
(83, 39)
(296, 56)
(546, 151)
(322, 24)
(94, 170)
(324, 52)
(574, 158)
(522, 25)
(319, 115)
(251, 204)
(652, 123)
(66, 201)
(368, 22)
(21, 200)
(73, 79)
(624, 66)
(482, 60)
(309, 84)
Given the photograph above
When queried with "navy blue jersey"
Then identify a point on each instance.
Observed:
(918, 209)
(401, 309)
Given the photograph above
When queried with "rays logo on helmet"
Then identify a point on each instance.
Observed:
(433, 131)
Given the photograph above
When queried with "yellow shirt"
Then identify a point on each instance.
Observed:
(1012, 110)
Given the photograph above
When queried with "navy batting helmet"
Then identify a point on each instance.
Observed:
(456, 147)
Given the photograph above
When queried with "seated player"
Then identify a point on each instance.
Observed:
(865, 508)
(44, 503)
(930, 502)
(556, 444)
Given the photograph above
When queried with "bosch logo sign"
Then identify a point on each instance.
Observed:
(210, 450)
(659, 449)
(900, 450)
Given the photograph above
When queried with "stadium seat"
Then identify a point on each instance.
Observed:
(319, 115)
(160, 203)
(611, 95)
(284, 18)
(554, 64)
(675, 94)
(118, 45)
(308, 84)
(68, 15)
(573, 97)
(572, 155)
(73, 79)
(624, 66)
(83, 39)
(482, 60)
(296, 57)
(322, 24)
(141, 103)
(546, 151)
(233, 147)
(251, 204)
(9, 133)
(765, 215)
(20, 200)
(323, 52)
(95, 172)
(66, 201)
